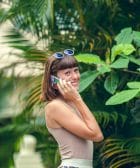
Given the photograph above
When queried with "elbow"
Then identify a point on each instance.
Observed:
(95, 136)
(98, 137)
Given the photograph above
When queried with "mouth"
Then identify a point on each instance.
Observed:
(76, 84)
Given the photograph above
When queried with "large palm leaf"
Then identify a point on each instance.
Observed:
(121, 152)
(69, 23)
(31, 16)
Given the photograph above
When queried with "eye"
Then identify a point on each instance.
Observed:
(76, 70)
(67, 73)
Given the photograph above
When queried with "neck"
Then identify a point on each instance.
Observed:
(62, 98)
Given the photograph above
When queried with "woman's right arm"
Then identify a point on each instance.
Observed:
(89, 119)
(71, 94)
(66, 118)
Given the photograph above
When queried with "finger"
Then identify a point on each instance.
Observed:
(61, 90)
(61, 83)
(64, 85)
(68, 85)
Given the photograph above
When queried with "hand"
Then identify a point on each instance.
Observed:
(68, 91)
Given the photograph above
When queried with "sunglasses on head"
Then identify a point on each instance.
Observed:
(60, 55)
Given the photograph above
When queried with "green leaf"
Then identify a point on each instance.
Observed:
(125, 150)
(136, 38)
(125, 36)
(111, 82)
(123, 96)
(89, 58)
(135, 113)
(103, 68)
(87, 78)
(133, 85)
(133, 145)
(120, 63)
(125, 49)
(134, 60)
(105, 118)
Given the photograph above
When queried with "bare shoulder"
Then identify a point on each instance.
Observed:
(54, 106)
(54, 103)
(52, 111)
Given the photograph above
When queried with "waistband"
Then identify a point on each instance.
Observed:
(77, 163)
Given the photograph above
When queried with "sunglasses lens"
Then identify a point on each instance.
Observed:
(69, 52)
(58, 55)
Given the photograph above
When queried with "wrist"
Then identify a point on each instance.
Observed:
(77, 99)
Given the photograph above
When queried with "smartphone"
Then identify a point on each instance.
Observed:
(54, 79)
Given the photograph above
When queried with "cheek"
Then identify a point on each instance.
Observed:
(78, 76)
(67, 78)
(62, 76)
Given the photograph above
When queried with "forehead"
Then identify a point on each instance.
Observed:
(68, 69)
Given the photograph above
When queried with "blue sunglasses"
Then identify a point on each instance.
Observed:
(60, 55)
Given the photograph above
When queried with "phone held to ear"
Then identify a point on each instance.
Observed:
(54, 80)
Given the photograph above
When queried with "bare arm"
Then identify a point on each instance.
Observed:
(71, 94)
(61, 115)
(88, 118)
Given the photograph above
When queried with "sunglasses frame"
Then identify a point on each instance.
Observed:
(60, 55)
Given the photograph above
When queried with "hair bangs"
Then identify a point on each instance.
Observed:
(67, 62)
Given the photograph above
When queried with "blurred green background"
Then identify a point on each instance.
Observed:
(105, 35)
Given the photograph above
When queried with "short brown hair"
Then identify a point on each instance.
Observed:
(52, 66)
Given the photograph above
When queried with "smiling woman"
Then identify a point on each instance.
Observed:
(70, 75)
(59, 65)
(68, 118)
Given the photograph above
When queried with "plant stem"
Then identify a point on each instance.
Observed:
(125, 70)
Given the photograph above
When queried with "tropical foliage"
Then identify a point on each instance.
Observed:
(106, 39)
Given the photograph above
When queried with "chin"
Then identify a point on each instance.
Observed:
(76, 87)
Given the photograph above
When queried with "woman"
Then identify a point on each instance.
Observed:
(68, 118)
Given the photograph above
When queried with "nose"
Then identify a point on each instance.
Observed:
(75, 75)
